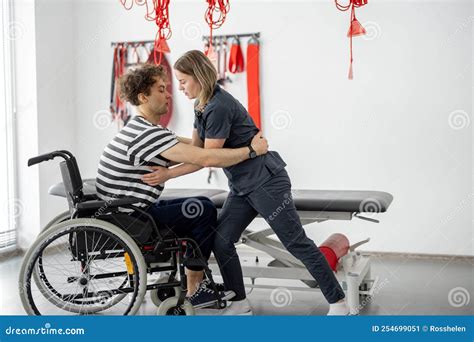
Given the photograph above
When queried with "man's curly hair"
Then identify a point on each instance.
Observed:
(140, 80)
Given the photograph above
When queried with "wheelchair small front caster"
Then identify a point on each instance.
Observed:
(159, 295)
(169, 307)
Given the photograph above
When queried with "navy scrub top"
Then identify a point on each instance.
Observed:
(224, 117)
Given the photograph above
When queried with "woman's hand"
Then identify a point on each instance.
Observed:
(159, 175)
(259, 144)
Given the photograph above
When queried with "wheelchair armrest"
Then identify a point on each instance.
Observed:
(90, 197)
(108, 204)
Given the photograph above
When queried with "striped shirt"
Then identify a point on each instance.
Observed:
(127, 157)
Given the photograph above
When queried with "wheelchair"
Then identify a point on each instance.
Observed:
(101, 257)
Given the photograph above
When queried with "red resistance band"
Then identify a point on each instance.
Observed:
(236, 58)
(253, 83)
(112, 85)
(160, 15)
(118, 108)
(164, 31)
(355, 28)
(215, 15)
(123, 105)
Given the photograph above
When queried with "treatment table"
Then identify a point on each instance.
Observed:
(353, 269)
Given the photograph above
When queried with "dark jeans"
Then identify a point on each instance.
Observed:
(273, 202)
(193, 217)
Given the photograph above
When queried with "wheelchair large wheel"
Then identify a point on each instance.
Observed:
(105, 301)
(169, 307)
(83, 266)
(159, 295)
(42, 282)
(58, 219)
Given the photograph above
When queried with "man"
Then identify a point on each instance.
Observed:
(143, 144)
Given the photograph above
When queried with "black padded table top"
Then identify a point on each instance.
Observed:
(305, 200)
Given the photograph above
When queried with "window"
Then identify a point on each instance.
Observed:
(9, 205)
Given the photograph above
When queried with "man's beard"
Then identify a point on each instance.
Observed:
(161, 111)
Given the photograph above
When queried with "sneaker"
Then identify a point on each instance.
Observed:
(219, 286)
(205, 296)
(238, 308)
(338, 309)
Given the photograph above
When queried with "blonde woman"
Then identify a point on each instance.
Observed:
(259, 185)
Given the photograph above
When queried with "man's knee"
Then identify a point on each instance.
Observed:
(209, 208)
(203, 210)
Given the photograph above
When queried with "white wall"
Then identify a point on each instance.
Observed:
(26, 122)
(55, 62)
(45, 74)
(389, 129)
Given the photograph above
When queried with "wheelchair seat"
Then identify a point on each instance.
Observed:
(140, 231)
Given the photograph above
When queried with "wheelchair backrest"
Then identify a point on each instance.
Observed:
(72, 182)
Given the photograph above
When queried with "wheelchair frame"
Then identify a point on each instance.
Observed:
(161, 254)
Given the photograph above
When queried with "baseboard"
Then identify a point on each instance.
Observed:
(419, 255)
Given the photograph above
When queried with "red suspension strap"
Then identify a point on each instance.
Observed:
(164, 31)
(215, 16)
(123, 112)
(355, 28)
(253, 80)
(113, 85)
(118, 108)
(160, 15)
(236, 58)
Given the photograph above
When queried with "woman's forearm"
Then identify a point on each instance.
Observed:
(185, 140)
(184, 169)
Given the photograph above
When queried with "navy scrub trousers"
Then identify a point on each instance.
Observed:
(273, 202)
(258, 186)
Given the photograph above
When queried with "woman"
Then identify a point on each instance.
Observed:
(259, 185)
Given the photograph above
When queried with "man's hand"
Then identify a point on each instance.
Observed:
(259, 144)
(160, 175)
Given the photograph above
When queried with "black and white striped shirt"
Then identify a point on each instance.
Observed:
(125, 160)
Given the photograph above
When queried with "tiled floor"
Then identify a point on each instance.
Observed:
(410, 286)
